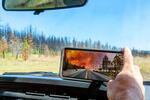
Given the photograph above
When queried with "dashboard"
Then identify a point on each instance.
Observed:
(17, 87)
(14, 87)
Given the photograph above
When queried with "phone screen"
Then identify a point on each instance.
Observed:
(88, 64)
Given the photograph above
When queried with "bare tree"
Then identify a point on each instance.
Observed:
(3, 46)
(26, 50)
(15, 46)
(46, 50)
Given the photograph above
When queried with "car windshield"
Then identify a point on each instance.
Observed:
(32, 43)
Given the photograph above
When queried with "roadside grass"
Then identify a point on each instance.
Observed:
(52, 63)
(144, 64)
(33, 64)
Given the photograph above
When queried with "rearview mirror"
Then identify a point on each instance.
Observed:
(33, 5)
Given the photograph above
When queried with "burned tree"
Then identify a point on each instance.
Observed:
(3, 46)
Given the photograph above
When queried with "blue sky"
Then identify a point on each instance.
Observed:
(116, 22)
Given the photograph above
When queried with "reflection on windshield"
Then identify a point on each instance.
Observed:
(31, 43)
(33, 4)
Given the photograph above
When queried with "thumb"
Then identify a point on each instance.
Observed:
(128, 60)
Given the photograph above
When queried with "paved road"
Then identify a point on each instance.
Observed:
(87, 74)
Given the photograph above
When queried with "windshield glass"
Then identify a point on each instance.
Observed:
(32, 43)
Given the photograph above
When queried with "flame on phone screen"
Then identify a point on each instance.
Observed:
(87, 59)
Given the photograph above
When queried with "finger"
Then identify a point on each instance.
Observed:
(110, 85)
(138, 74)
(110, 89)
(137, 68)
(109, 82)
(128, 60)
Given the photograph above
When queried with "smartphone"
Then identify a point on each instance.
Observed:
(90, 64)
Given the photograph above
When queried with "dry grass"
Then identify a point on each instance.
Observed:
(144, 64)
(52, 63)
(35, 63)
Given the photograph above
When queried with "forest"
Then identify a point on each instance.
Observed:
(22, 44)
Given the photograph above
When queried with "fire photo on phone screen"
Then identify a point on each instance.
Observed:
(91, 65)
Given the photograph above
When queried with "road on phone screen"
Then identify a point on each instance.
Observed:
(88, 74)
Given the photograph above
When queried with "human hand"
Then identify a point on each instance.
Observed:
(128, 84)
